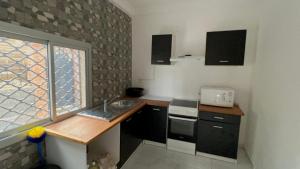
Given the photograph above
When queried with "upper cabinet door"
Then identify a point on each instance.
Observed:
(161, 49)
(225, 47)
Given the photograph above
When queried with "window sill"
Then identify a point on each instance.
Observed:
(7, 141)
(17, 137)
(21, 136)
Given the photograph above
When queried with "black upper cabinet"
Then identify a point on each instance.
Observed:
(161, 49)
(225, 47)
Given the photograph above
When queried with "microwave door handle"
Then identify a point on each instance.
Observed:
(184, 119)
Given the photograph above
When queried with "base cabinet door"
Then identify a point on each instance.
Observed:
(126, 145)
(129, 141)
(149, 123)
(139, 125)
(155, 124)
(218, 138)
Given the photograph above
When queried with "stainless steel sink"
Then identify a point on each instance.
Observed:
(121, 104)
(111, 111)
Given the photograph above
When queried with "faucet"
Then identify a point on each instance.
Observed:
(107, 101)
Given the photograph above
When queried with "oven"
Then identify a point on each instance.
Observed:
(183, 128)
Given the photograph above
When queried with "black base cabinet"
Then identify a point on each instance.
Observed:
(218, 137)
(149, 123)
(155, 124)
(130, 137)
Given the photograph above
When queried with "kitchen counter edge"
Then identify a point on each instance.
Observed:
(84, 130)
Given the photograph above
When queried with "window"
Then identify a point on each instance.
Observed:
(69, 79)
(23, 83)
(40, 79)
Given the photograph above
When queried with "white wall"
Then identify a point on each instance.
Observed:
(189, 22)
(273, 138)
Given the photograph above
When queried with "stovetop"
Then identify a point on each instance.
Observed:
(184, 103)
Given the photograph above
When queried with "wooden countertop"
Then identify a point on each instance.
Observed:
(236, 111)
(84, 130)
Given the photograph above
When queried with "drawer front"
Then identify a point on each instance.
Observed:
(158, 109)
(218, 117)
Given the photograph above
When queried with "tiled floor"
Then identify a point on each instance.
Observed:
(153, 157)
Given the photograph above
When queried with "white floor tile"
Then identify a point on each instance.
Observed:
(153, 157)
(242, 163)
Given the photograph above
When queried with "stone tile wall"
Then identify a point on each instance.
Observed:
(22, 155)
(98, 22)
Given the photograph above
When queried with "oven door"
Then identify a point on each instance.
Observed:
(182, 128)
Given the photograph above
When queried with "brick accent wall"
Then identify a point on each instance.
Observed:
(98, 22)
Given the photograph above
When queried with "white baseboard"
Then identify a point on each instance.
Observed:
(231, 160)
(181, 146)
(154, 143)
(249, 157)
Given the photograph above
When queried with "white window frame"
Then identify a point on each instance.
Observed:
(23, 33)
(54, 115)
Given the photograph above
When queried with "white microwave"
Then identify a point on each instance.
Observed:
(217, 96)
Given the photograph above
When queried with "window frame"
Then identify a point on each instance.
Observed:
(22, 33)
(54, 115)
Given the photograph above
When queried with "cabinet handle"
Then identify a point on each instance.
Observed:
(128, 120)
(155, 109)
(220, 118)
(160, 61)
(218, 127)
(223, 61)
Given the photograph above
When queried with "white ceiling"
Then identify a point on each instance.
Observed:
(145, 3)
(145, 6)
(150, 3)
(135, 7)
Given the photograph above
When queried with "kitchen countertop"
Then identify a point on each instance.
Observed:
(84, 130)
(159, 98)
(235, 111)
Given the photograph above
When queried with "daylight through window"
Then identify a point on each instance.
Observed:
(26, 83)
(69, 79)
(24, 95)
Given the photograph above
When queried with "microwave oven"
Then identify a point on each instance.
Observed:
(217, 96)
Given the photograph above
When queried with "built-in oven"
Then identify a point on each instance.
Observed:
(182, 128)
